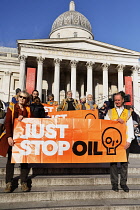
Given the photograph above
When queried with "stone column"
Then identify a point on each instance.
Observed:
(6, 85)
(105, 81)
(22, 76)
(135, 87)
(56, 79)
(120, 69)
(73, 78)
(67, 81)
(89, 78)
(39, 75)
(82, 84)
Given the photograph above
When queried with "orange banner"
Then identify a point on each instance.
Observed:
(84, 114)
(68, 141)
(50, 108)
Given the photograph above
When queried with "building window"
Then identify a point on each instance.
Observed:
(58, 35)
(75, 34)
(16, 84)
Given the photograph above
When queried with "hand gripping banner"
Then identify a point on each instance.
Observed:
(68, 141)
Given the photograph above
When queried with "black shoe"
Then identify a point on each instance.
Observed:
(125, 188)
(115, 188)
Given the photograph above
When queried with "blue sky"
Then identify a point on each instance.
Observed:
(115, 22)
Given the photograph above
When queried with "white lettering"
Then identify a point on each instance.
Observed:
(48, 109)
(39, 131)
(59, 147)
(37, 146)
(27, 132)
(53, 151)
(50, 132)
(62, 127)
(26, 146)
(35, 134)
(63, 146)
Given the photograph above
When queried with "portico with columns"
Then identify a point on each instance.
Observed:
(59, 70)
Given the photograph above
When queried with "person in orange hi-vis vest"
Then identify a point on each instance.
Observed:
(122, 115)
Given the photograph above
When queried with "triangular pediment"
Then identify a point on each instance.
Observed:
(80, 44)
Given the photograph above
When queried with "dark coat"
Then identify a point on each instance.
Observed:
(37, 110)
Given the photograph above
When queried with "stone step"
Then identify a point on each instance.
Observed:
(92, 204)
(131, 155)
(67, 193)
(67, 171)
(69, 180)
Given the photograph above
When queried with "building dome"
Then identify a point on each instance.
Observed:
(74, 22)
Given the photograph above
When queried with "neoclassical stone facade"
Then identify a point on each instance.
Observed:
(71, 59)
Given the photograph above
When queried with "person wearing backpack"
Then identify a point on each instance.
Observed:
(2, 116)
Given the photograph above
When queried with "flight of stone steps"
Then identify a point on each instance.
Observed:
(63, 188)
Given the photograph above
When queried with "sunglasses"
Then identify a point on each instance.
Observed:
(23, 97)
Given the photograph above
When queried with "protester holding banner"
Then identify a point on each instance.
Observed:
(34, 95)
(18, 110)
(69, 103)
(51, 100)
(37, 109)
(90, 105)
(122, 115)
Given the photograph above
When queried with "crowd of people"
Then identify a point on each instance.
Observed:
(24, 105)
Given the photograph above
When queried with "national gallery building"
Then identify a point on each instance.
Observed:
(70, 59)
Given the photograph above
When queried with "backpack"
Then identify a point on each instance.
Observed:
(2, 112)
